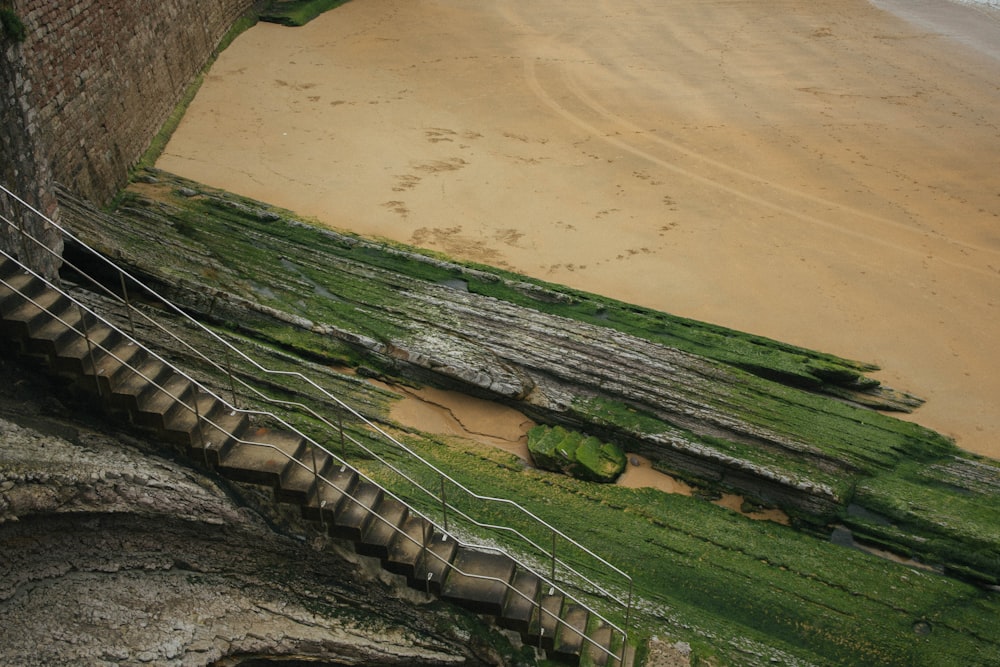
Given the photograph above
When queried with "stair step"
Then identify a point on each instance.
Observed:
(386, 520)
(221, 428)
(114, 364)
(16, 287)
(9, 267)
(546, 620)
(21, 319)
(434, 566)
(261, 456)
(568, 643)
(158, 402)
(521, 602)
(407, 547)
(48, 337)
(73, 352)
(355, 513)
(184, 425)
(595, 657)
(482, 595)
(329, 494)
(298, 481)
(129, 388)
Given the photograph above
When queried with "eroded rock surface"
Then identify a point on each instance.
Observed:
(113, 555)
(721, 409)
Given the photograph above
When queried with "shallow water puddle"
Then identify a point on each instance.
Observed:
(639, 474)
(451, 413)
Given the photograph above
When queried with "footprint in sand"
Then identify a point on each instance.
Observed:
(437, 166)
(525, 138)
(439, 134)
(645, 176)
(509, 236)
(436, 135)
(406, 182)
(397, 207)
(439, 235)
(529, 160)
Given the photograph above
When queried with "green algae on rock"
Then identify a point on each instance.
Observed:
(575, 454)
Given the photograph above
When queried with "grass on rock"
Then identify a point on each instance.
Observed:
(743, 591)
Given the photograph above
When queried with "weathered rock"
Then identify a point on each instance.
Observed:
(702, 418)
(113, 555)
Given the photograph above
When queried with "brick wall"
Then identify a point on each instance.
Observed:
(24, 167)
(105, 74)
(82, 97)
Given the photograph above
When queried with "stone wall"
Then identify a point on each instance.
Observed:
(93, 81)
(24, 167)
(105, 74)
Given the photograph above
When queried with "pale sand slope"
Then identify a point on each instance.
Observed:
(821, 173)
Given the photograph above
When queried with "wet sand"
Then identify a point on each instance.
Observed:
(820, 173)
(452, 414)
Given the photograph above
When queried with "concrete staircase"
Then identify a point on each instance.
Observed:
(43, 321)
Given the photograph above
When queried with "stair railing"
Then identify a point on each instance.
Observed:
(179, 400)
(558, 567)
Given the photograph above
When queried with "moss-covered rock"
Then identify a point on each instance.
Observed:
(575, 454)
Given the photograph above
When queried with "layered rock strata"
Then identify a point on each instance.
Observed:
(112, 554)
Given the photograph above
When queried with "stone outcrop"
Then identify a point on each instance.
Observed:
(556, 369)
(563, 358)
(575, 454)
(113, 554)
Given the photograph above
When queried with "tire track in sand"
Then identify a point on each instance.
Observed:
(573, 87)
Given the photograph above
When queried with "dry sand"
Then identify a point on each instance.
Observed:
(821, 173)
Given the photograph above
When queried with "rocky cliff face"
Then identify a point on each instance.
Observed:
(112, 553)
(720, 408)
(234, 261)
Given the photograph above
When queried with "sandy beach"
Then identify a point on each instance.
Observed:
(826, 174)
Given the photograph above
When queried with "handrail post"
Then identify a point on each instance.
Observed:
(628, 620)
(444, 505)
(197, 418)
(340, 428)
(541, 611)
(315, 484)
(22, 234)
(90, 348)
(553, 556)
(229, 372)
(312, 449)
(128, 306)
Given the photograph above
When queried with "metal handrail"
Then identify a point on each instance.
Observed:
(109, 351)
(149, 292)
